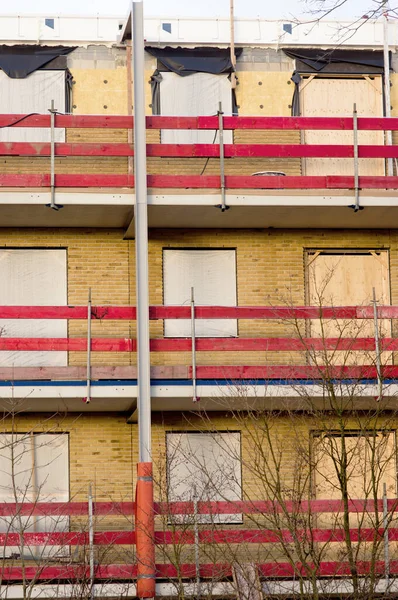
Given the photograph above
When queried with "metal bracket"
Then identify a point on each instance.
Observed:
(53, 111)
(220, 113)
(91, 536)
(356, 206)
(87, 399)
(197, 554)
(193, 338)
(377, 348)
(386, 540)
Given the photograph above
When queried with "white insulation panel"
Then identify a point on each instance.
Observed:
(191, 96)
(33, 94)
(212, 275)
(30, 277)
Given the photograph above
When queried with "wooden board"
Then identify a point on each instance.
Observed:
(328, 97)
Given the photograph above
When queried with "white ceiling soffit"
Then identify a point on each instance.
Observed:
(261, 32)
(54, 29)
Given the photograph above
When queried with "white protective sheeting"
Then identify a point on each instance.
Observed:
(212, 274)
(204, 466)
(32, 95)
(34, 467)
(191, 96)
(32, 277)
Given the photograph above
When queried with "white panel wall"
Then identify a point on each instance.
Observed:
(195, 95)
(32, 95)
(34, 467)
(204, 466)
(30, 277)
(212, 274)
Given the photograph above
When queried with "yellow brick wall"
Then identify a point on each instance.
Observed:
(100, 450)
(104, 92)
(270, 271)
(96, 259)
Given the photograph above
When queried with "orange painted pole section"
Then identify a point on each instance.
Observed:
(145, 531)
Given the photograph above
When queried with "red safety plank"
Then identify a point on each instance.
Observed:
(270, 536)
(200, 150)
(67, 312)
(231, 373)
(295, 123)
(67, 538)
(325, 569)
(65, 508)
(269, 507)
(200, 181)
(187, 537)
(202, 344)
(201, 312)
(208, 122)
(184, 508)
(215, 571)
(68, 344)
(235, 373)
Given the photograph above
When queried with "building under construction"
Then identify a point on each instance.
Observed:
(268, 178)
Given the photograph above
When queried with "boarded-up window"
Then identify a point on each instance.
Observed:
(191, 96)
(31, 277)
(371, 462)
(33, 94)
(204, 466)
(347, 278)
(212, 274)
(335, 97)
(34, 468)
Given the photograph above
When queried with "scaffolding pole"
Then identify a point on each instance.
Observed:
(386, 541)
(377, 348)
(88, 375)
(144, 521)
(220, 114)
(387, 89)
(193, 338)
(356, 159)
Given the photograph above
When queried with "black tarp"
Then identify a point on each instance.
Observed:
(186, 61)
(295, 109)
(312, 60)
(20, 60)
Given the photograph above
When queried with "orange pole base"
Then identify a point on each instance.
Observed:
(145, 532)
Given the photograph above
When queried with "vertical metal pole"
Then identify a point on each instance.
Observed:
(88, 391)
(356, 160)
(222, 160)
(141, 237)
(386, 544)
(232, 42)
(129, 50)
(196, 533)
(91, 536)
(387, 89)
(144, 521)
(193, 338)
(377, 347)
(52, 111)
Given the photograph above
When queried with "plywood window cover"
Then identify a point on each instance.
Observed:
(349, 434)
(307, 77)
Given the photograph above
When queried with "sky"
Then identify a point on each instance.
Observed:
(267, 9)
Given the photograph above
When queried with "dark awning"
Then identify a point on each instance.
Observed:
(186, 61)
(312, 60)
(20, 60)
